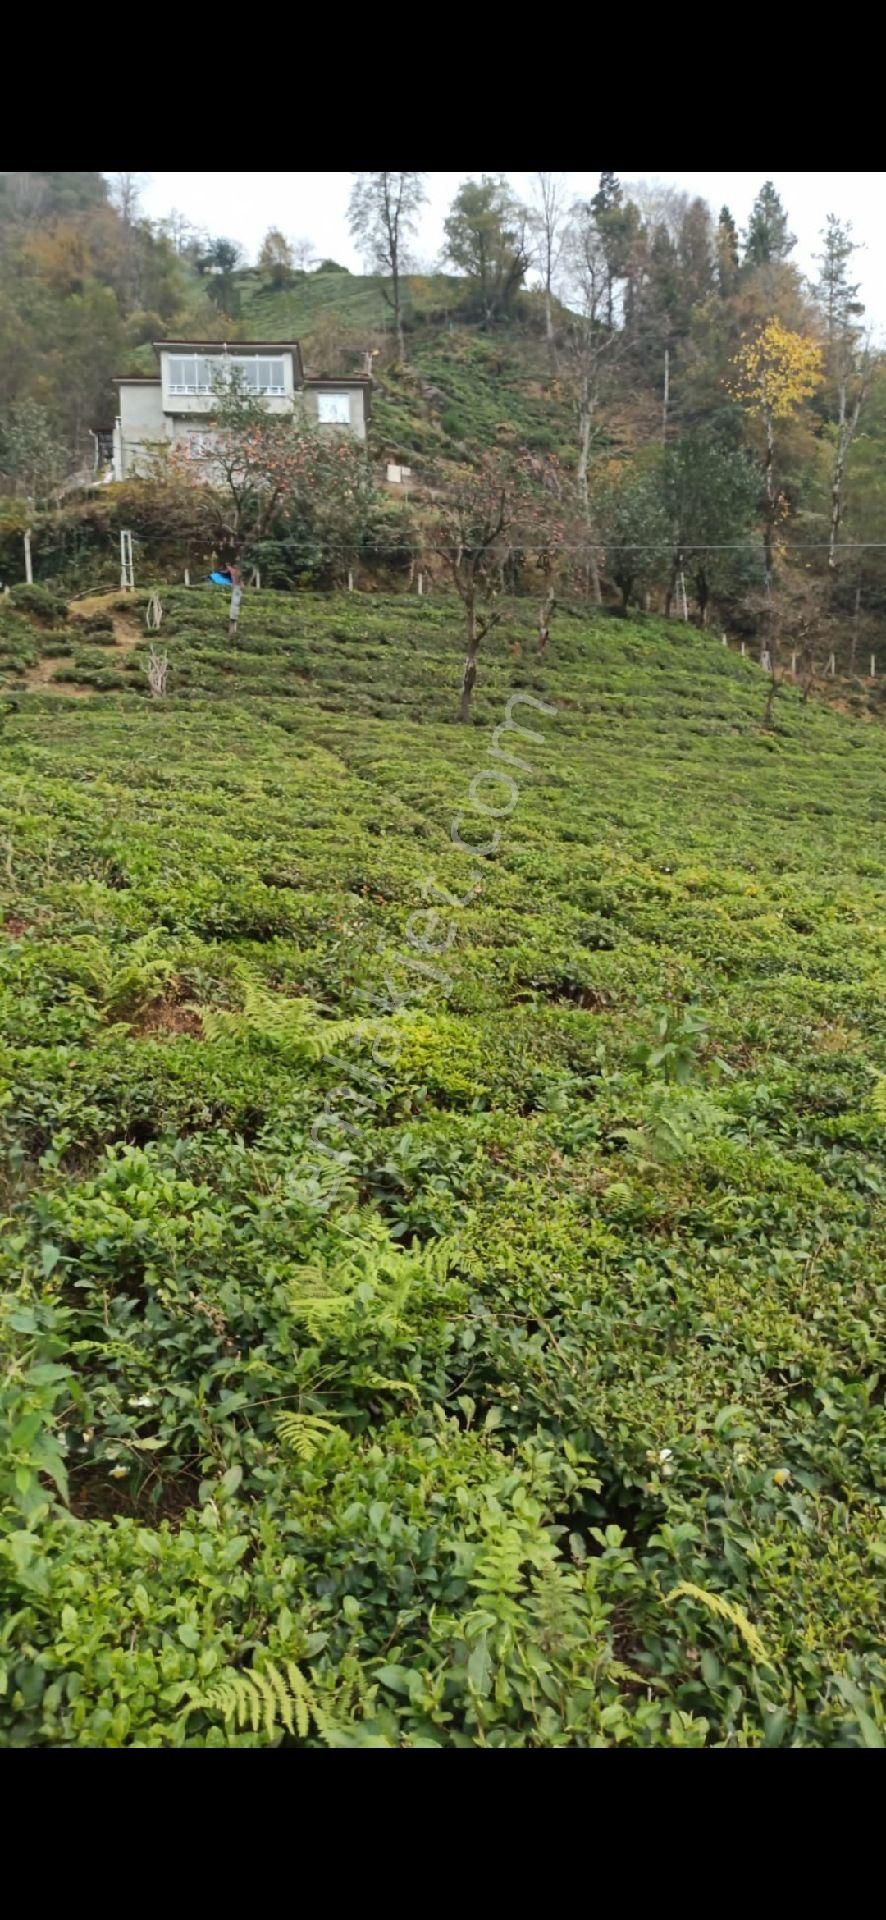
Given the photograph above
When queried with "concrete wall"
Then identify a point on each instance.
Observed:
(357, 399)
(142, 421)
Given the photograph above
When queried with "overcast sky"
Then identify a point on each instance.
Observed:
(243, 205)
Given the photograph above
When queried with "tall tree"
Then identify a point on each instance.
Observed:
(774, 372)
(727, 253)
(711, 493)
(276, 257)
(499, 513)
(221, 261)
(487, 239)
(635, 528)
(695, 252)
(607, 207)
(767, 240)
(590, 348)
(549, 214)
(382, 213)
(848, 359)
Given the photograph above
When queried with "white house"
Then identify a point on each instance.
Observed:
(174, 407)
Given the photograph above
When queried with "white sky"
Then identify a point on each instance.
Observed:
(242, 206)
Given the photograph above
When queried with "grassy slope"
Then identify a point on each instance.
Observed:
(631, 1144)
(461, 387)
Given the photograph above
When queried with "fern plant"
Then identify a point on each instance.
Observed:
(292, 1028)
(302, 1432)
(262, 1698)
(724, 1610)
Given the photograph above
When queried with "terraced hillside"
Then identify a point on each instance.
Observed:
(444, 1189)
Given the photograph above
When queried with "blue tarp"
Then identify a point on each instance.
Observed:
(221, 579)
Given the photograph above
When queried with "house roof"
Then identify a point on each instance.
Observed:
(136, 380)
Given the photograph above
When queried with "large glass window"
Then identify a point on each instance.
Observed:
(194, 373)
(334, 409)
(260, 376)
(189, 374)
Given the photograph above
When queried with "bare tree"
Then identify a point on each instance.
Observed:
(589, 349)
(475, 529)
(126, 191)
(303, 252)
(382, 214)
(549, 212)
(849, 359)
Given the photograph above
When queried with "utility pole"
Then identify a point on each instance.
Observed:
(666, 396)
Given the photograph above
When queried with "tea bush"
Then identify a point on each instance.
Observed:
(442, 1293)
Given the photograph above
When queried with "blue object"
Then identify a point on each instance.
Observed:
(220, 579)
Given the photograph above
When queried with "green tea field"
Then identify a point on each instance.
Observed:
(444, 1198)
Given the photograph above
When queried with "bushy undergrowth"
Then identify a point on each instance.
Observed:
(544, 1407)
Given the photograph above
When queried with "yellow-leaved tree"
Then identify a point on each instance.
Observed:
(774, 372)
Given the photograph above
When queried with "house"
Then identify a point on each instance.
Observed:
(174, 407)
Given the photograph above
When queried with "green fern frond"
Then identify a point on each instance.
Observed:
(294, 1028)
(302, 1432)
(724, 1610)
(878, 1099)
(262, 1699)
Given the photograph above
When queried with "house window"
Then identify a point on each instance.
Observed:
(189, 375)
(194, 373)
(334, 409)
(260, 376)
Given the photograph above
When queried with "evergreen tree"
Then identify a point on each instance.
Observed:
(767, 240)
(727, 252)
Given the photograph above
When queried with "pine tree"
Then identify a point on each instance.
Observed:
(727, 252)
(767, 239)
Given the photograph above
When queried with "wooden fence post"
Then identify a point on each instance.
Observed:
(236, 597)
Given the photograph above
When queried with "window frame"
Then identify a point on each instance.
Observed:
(201, 366)
(337, 420)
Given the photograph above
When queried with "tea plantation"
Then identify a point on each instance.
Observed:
(443, 1188)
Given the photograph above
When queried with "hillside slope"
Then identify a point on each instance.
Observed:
(456, 1331)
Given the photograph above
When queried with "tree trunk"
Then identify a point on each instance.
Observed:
(846, 427)
(470, 672)
(769, 515)
(586, 421)
(398, 316)
(853, 649)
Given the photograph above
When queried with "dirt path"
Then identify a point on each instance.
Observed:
(128, 633)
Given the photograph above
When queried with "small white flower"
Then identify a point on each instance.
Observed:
(142, 1400)
(118, 1473)
(666, 1453)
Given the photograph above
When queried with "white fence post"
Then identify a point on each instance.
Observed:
(793, 666)
(873, 666)
(29, 572)
(831, 665)
(127, 575)
(187, 576)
